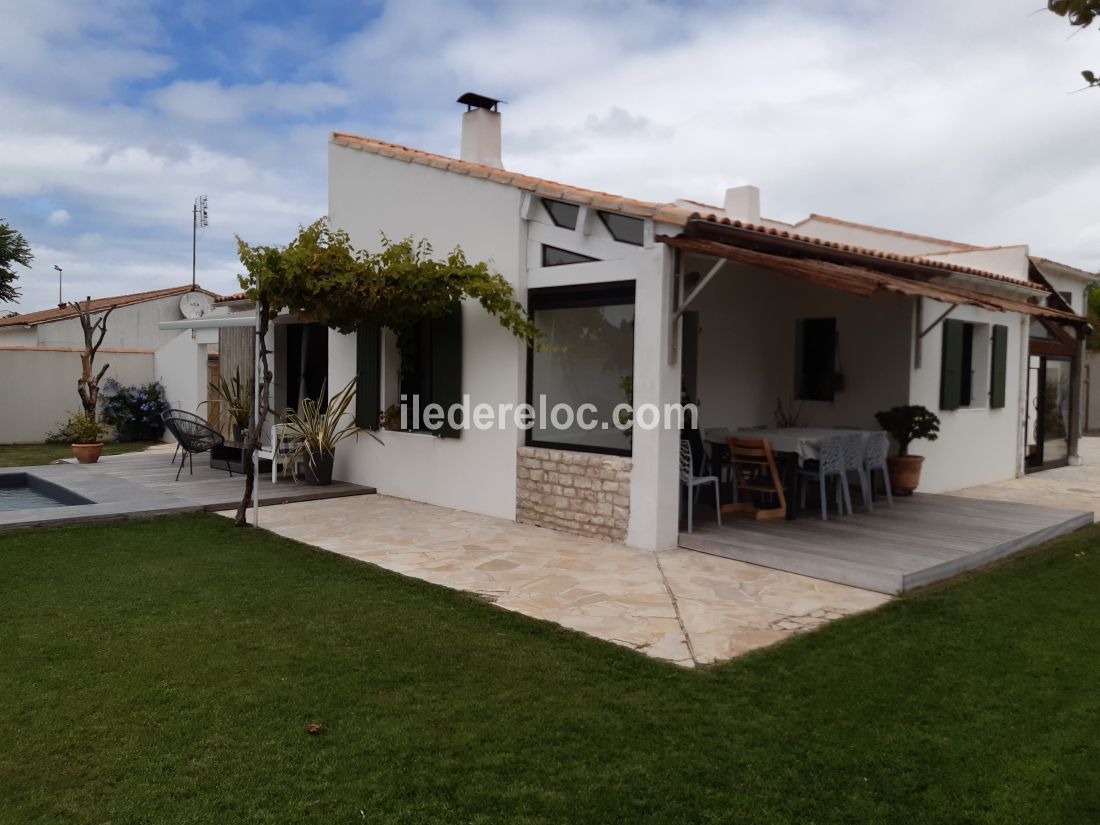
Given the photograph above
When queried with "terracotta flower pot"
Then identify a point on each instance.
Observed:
(87, 453)
(904, 473)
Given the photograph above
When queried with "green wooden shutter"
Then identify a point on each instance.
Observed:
(999, 367)
(952, 365)
(368, 367)
(447, 365)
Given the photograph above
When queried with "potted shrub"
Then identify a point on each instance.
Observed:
(905, 425)
(87, 435)
(316, 430)
(234, 400)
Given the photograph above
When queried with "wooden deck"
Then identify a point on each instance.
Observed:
(210, 488)
(920, 540)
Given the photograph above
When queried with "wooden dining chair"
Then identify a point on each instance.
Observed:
(755, 475)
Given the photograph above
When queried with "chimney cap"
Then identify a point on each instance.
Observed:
(476, 101)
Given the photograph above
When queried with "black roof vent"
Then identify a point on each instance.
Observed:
(476, 101)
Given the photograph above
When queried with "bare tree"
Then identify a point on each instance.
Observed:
(87, 386)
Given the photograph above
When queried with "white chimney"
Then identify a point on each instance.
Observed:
(481, 130)
(743, 204)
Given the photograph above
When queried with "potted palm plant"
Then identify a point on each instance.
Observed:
(905, 425)
(234, 398)
(316, 430)
(87, 435)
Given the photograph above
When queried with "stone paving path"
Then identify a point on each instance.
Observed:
(1070, 488)
(678, 605)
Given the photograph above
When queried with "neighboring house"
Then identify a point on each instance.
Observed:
(739, 311)
(40, 357)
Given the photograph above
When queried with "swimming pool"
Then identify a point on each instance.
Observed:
(20, 491)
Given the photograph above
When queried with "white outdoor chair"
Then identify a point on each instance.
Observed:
(280, 452)
(692, 482)
(831, 464)
(855, 456)
(874, 459)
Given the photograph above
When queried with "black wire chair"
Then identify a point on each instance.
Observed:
(164, 416)
(193, 436)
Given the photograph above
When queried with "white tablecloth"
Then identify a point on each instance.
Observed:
(801, 441)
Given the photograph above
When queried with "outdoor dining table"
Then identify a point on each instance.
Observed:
(794, 446)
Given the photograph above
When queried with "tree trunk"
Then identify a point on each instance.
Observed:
(87, 386)
(255, 433)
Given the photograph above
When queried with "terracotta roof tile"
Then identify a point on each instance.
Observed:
(45, 316)
(236, 296)
(877, 253)
(667, 213)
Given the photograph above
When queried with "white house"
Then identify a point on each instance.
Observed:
(653, 299)
(40, 356)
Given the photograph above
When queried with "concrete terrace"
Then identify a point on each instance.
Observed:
(142, 484)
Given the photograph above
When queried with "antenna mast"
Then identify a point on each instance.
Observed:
(199, 219)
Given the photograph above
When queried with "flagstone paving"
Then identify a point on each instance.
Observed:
(1069, 488)
(678, 605)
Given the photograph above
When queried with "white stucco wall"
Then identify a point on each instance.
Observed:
(747, 350)
(41, 387)
(369, 195)
(975, 446)
(181, 366)
(130, 327)
(1010, 261)
(896, 242)
(1074, 285)
(747, 355)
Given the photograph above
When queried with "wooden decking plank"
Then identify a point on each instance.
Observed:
(890, 558)
(920, 540)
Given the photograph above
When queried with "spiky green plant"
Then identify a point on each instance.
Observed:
(235, 397)
(316, 430)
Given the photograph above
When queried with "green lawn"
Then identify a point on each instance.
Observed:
(27, 455)
(165, 672)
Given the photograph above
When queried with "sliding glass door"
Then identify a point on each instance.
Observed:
(1048, 411)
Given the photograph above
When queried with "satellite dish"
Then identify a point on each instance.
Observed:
(194, 305)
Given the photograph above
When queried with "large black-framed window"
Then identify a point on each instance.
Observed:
(588, 358)
(431, 369)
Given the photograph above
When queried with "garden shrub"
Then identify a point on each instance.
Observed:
(135, 411)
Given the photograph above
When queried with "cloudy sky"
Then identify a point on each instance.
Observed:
(943, 117)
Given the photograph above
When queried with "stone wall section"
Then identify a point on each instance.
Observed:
(586, 494)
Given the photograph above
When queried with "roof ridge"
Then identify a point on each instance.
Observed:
(667, 212)
(882, 230)
(62, 313)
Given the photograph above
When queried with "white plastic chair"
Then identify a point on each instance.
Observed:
(878, 448)
(280, 452)
(855, 457)
(691, 482)
(831, 464)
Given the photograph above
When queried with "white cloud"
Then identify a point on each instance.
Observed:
(59, 217)
(939, 117)
(211, 102)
